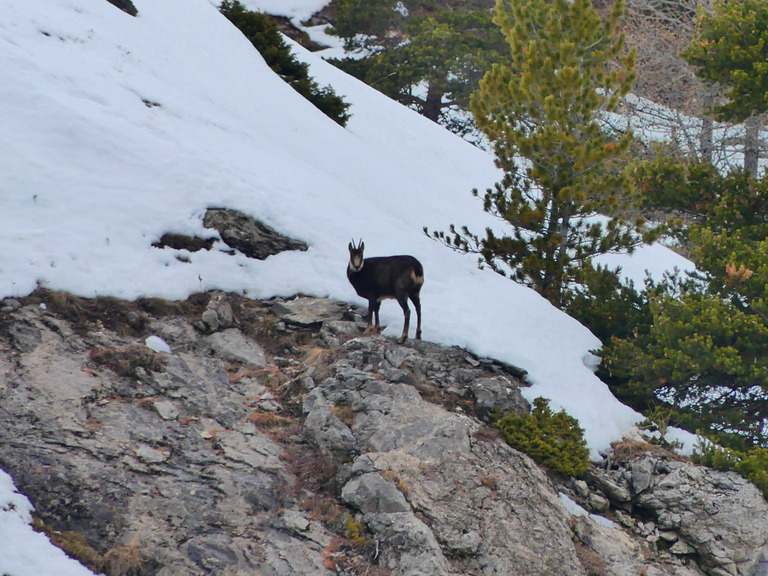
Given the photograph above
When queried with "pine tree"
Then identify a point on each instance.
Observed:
(543, 112)
(705, 350)
(731, 49)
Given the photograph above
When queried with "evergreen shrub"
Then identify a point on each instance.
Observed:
(553, 439)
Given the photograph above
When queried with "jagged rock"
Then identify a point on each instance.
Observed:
(475, 493)
(149, 455)
(370, 493)
(642, 474)
(615, 490)
(199, 490)
(722, 516)
(308, 312)
(498, 396)
(218, 314)
(126, 6)
(618, 554)
(246, 234)
(166, 410)
(232, 346)
(325, 428)
(718, 517)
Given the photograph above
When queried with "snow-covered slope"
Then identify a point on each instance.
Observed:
(119, 129)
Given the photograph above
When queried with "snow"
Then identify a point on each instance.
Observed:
(575, 510)
(157, 344)
(119, 129)
(23, 551)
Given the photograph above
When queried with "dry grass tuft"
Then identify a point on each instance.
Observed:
(628, 448)
(126, 361)
(124, 560)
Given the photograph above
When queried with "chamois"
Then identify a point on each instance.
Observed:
(376, 279)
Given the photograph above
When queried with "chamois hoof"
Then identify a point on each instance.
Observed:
(402, 339)
(373, 331)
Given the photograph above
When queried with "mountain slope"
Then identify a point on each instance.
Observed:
(126, 128)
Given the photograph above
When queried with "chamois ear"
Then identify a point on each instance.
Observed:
(361, 247)
(351, 246)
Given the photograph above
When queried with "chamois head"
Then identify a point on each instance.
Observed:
(356, 256)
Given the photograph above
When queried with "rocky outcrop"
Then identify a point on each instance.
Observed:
(248, 235)
(439, 496)
(274, 440)
(716, 520)
(237, 230)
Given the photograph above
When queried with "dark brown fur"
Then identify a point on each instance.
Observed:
(376, 279)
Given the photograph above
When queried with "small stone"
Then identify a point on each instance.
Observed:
(166, 410)
(232, 346)
(150, 455)
(581, 488)
(598, 503)
(668, 536)
(294, 521)
(680, 548)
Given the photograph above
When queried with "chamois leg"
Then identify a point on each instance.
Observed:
(373, 314)
(403, 301)
(369, 317)
(377, 307)
(417, 304)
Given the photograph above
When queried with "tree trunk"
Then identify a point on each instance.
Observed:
(752, 144)
(551, 282)
(433, 104)
(706, 136)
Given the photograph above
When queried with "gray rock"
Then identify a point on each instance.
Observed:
(308, 312)
(25, 337)
(10, 304)
(721, 516)
(598, 503)
(246, 234)
(717, 517)
(232, 346)
(476, 494)
(166, 409)
(370, 493)
(642, 474)
(150, 455)
(218, 314)
(411, 548)
(620, 554)
(617, 492)
(680, 548)
(325, 429)
(294, 521)
(497, 395)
